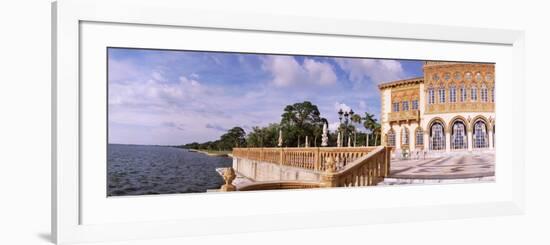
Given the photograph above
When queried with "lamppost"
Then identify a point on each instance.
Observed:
(345, 117)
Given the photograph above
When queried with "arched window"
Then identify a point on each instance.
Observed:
(431, 96)
(484, 96)
(441, 94)
(463, 93)
(395, 106)
(480, 135)
(458, 136)
(419, 137)
(391, 138)
(414, 104)
(437, 137)
(405, 105)
(404, 136)
(452, 94)
(493, 94)
(473, 93)
(494, 139)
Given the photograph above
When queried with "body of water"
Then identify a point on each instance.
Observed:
(142, 170)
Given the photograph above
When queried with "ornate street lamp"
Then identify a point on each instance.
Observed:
(345, 119)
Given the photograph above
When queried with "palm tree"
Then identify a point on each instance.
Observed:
(370, 124)
(376, 133)
(355, 119)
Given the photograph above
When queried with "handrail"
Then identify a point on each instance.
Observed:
(364, 171)
(337, 166)
(312, 158)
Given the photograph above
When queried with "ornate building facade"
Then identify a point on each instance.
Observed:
(451, 108)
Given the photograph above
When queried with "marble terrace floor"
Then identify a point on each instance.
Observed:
(453, 166)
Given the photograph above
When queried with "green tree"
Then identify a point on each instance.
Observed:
(377, 134)
(299, 120)
(317, 131)
(234, 137)
(263, 137)
(371, 124)
(355, 119)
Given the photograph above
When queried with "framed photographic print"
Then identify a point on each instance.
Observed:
(197, 122)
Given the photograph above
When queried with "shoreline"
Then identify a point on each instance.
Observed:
(212, 154)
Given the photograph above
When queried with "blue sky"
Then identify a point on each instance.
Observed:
(176, 97)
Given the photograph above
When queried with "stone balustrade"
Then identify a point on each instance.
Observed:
(409, 115)
(321, 167)
(367, 170)
(312, 158)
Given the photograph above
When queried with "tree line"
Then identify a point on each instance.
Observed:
(297, 121)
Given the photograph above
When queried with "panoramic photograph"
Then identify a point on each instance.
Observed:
(182, 121)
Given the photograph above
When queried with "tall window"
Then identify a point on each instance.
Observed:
(437, 137)
(395, 106)
(431, 96)
(404, 136)
(463, 94)
(480, 135)
(473, 93)
(493, 94)
(391, 138)
(405, 105)
(484, 93)
(458, 137)
(494, 139)
(441, 95)
(414, 105)
(419, 137)
(452, 94)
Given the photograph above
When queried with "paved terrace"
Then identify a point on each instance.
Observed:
(456, 167)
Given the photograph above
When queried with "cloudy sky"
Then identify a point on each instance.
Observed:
(177, 97)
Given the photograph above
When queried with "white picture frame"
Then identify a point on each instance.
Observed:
(69, 196)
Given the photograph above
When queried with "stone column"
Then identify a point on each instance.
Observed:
(397, 137)
(490, 139)
(448, 141)
(470, 141)
(426, 141)
(412, 139)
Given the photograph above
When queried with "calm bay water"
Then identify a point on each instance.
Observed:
(141, 170)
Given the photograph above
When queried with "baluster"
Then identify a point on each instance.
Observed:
(369, 177)
(366, 174)
(363, 182)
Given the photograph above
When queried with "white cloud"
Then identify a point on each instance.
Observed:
(162, 109)
(287, 71)
(155, 92)
(359, 70)
(318, 72)
(123, 71)
(157, 75)
(333, 126)
(342, 106)
(181, 111)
